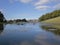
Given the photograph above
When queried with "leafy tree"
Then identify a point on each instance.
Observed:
(24, 20)
(2, 18)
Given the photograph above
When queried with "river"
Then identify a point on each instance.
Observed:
(27, 34)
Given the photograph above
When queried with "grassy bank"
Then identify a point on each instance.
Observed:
(54, 20)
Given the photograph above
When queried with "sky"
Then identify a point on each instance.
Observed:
(29, 9)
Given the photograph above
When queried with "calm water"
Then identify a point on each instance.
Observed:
(27, 34)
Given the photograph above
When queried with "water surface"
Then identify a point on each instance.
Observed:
(27, 34)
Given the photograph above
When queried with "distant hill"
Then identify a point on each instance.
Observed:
(51, 17)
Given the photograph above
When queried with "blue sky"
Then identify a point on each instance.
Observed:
(29, 9)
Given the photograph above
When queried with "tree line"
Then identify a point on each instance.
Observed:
(3, 20)
(16, 21)
(51, 15)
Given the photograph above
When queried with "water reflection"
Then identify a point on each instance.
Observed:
(53, 29)
(1, 28)
(27, 34)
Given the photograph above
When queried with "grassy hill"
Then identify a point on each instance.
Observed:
(55, 24)
(50, 15)
(53, 20)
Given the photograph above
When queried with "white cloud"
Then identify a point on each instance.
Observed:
(42, 4)
(25, 1)
(10, 1)
(42, 7)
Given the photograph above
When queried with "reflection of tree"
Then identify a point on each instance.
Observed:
(51, 29)
(1, 28)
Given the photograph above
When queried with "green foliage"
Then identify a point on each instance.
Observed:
(2, 18)
(21, 20)
(16, 21)
(51, 15)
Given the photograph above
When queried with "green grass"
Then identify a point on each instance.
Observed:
(55, 24)
(53, 20)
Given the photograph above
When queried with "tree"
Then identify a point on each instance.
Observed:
(2, 18)
(24, 20)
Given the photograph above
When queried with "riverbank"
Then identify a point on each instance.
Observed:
(53, 20)
(55, 23)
